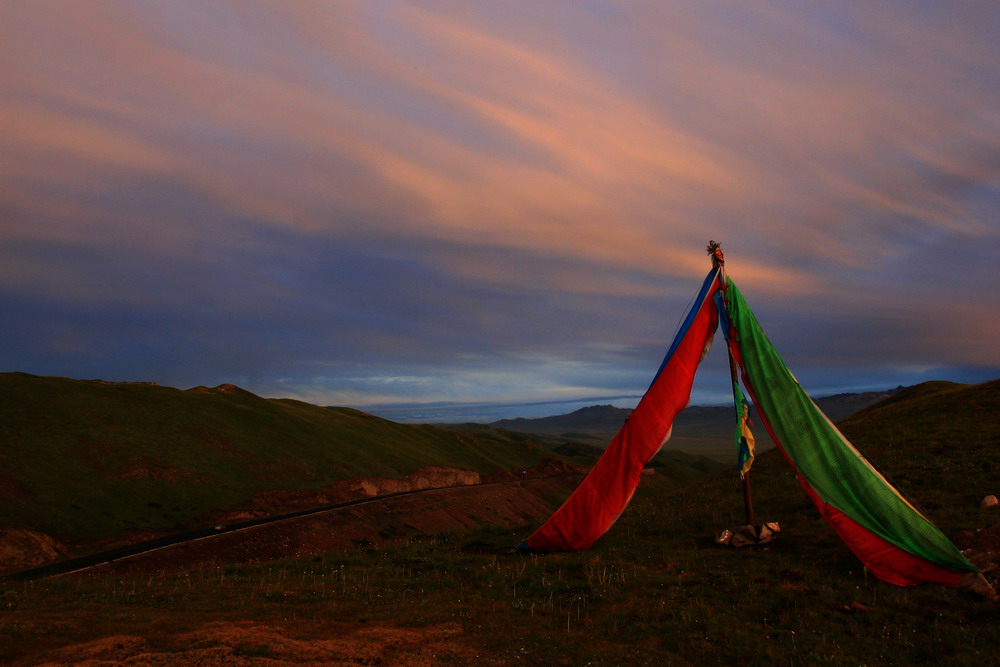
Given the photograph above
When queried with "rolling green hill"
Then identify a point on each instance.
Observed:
(91, 460)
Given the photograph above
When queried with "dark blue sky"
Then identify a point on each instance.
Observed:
(377, 202)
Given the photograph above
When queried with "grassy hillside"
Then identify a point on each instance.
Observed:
(655, 590)
(938, 440)
(88, 460)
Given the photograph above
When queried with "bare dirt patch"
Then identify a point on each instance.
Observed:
(21, 549)
(248, 643)
(152, 470)
(428, 477)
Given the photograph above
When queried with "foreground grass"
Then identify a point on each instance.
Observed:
(656, 590)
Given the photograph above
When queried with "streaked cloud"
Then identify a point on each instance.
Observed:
(443, 200)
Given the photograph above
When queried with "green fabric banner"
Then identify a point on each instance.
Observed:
(823, 456)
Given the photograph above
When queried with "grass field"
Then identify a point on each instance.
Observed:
(654, 590)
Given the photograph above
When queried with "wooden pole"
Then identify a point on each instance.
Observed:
(747, 498)
(748, 502)
(718, 260)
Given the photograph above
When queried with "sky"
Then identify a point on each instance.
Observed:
(379, 202)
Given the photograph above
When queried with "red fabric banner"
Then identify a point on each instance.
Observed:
(602, 496)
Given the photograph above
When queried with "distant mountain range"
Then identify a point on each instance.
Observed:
(705, 430)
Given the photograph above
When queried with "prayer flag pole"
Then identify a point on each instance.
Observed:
(719, 261)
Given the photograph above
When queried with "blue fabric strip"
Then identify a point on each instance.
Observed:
(692, 312)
